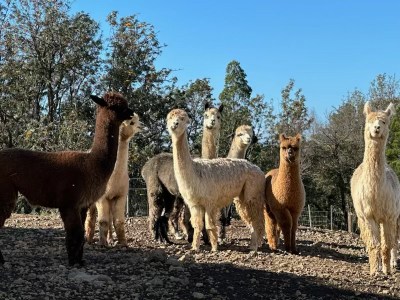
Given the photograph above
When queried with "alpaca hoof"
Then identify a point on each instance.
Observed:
(179, 236)
(252, 253)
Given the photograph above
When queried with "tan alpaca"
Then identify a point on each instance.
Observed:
(285, 195)
(243, 137)
(375, 190)
(111, 206)
(208, 185)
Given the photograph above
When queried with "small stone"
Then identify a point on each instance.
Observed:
(197, 295)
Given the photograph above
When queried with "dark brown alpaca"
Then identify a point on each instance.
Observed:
(69, 180)
(285, 195)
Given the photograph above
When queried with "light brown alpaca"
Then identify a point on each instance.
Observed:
(375, 190)
(68, 180)
(243, 137)
(285, 195)
(111, 206)
(208, 185)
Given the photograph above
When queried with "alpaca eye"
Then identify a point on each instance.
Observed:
(132, 123)
(218, 117)
(383, 122)
(283, 148)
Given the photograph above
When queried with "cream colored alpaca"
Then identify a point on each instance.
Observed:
(208, 185)
(375, 190)
(111, 206)
(211, 131)
(242, 139)
(209, 149)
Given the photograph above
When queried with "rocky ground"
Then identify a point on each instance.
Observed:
(331, 265)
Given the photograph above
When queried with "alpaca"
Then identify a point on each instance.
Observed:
(165, 202)
(242, 138)
(208, 185)
(285, 195)
(375, 191)
(69, 180)
(111, 206)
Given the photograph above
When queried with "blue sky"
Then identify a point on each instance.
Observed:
(328, 47)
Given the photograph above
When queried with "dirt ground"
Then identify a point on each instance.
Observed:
(331, 265)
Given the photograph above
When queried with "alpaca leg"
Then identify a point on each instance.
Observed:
(388, 240)
(90, 223)
(226, 213)
(156, 206)
(210, 220)
(284, 219)
(74, 235)
(174, 217)
(103, 210)
(8, 198)
(196, 218)
(118, 213)
(185, 223)
(271, 229)
(252, 213)
(371, 234)
(293, 248)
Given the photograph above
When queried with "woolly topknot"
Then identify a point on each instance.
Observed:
(114, 98)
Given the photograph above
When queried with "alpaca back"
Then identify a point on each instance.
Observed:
(22, 173)
(216, 175)
(160, 168)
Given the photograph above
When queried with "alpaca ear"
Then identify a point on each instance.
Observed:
(367, 108)
(98, 100)
(298, 137)
(390, 110)
(221, 108)
(207, 105)
(282, 137)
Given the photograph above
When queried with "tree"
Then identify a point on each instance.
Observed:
(294, 117)
(49, 61)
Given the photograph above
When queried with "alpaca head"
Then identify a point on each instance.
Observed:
(130, 127)
(244, 136)
(212, 116)
(377, 122)
(115, 103)
(290, 148)
(177, 122)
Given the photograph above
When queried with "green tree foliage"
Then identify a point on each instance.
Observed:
(293, 117)
(44, 70)
(241, 108)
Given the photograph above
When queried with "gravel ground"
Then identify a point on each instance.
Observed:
(331, 265)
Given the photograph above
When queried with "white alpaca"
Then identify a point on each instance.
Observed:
(243, 137)
(208, 185)
(111, 206)
(375, 190)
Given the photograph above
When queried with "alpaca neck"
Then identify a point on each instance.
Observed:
(374, 157)
(236, 151)
(288, 171)
(183, 164)
(105, 142)
(210, 143)
(121, 163)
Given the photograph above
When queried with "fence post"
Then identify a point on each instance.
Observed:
(331, 218)
(127, 206)
(350, 222)
(309, 215)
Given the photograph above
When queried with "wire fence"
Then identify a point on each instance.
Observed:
(137, 205)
